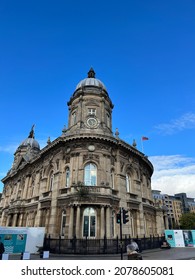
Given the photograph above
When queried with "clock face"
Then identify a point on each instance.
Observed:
(92, 122)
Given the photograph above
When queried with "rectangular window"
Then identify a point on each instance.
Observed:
(63, 225)
(86, 226)
(51, 182)
(92, 226)
(87, 178)
(73, 118)
(108, 120)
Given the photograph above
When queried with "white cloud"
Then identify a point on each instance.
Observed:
(174, 174)
(186, 121)
(9, 149)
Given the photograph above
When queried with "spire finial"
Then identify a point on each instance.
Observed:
(48, 141)
(117, 133)
(32, 132)
(134, 143)
(91, 73)
(64, 130)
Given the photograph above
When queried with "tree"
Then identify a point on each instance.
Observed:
(187, 221)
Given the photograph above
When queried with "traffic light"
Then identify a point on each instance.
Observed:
(125, 216)
(118, 217)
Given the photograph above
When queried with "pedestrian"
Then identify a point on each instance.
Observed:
(2, 249)
(133, 251)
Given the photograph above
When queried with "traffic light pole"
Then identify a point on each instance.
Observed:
(122, 218)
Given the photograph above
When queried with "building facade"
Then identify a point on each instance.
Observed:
(175, 206)
(76, 184)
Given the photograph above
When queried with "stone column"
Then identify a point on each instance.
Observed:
(24, 195)
(102, 222)
(80, 109)
(47, 220)
(52, 229)
(37, 184)
(138, 223)
(108, 222)
(14, 220)
(71, 219)
(166, 221)
(38, 216)
(78, 228)
(140, 220)
(8, 220)
(103, 110)
(3, 219)
(20, 220)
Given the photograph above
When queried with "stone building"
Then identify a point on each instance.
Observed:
(76, 184)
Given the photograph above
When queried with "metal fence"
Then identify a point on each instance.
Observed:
(98, 246)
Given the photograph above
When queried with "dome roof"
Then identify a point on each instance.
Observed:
(91, 81)
(30, 142)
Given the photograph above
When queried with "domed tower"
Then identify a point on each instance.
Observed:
(76, 185)
(90, 108)
(27, 150)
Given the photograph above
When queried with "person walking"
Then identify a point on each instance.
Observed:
(2, 248)
(133, 251)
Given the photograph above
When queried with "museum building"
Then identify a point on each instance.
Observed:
(76, 184)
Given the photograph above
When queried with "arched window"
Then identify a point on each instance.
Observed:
(112, 179)
(51, 181)
(128, 183)
(63, 223)
(67, 177)
(89, 223)
(90, 176)
(108, 119)
(74, 118)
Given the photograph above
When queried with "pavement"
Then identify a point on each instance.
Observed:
(153, 254)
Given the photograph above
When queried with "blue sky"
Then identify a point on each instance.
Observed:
(142, 50)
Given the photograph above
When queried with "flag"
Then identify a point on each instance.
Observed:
(144, 138)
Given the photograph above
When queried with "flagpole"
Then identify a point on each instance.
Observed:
(143, 138)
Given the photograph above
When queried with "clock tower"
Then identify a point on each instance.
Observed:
(90, 108)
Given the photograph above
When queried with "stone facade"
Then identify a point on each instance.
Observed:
(76, 185)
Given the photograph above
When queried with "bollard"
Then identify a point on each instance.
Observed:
(5, 256)
(25, 256)
(45, 254)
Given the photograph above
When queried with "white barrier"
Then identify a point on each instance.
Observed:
(5, 256)
(45, 254)
(25, 256)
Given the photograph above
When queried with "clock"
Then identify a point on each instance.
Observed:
(92, 122)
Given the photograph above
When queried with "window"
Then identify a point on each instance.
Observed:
(51, 182)
(90, 176)
(128, 182)
(63, 223)
(89, 222)
(112, 223)
(67, 178)
(74, 118)
(108, 120)
(112, 179)
(91, 111)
